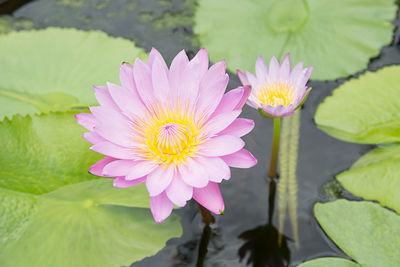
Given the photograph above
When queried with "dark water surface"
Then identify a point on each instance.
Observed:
(242, 235)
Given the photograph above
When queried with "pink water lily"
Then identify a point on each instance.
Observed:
(279, 90)
(172, 128)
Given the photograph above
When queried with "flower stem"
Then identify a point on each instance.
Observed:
(206, 214)
(271, 200)
(205, 239)
(275, 149)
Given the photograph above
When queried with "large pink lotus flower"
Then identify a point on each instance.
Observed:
(174, 129)
(279, 91)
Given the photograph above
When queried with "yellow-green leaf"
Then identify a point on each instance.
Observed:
(54, 69)
(365, 109)
(337, 37)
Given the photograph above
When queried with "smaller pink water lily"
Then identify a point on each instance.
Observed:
(172, 128)
(279, 90)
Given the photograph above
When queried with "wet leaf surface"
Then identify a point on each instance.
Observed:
(60, 73)
(364, 110)
(376, 176)
(54, 213)
(337, 37)
(371, 240)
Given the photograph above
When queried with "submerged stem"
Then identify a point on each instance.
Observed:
(205, 238)
(206, 214)
(271, 200)
(275, 149)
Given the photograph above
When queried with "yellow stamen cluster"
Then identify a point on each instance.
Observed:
(276, 94)
(169, 134)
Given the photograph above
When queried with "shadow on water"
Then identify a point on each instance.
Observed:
(205, 236)
(266, 246)
(8, 6)
(205, 239)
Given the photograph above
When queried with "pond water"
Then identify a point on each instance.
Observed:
(243, 234)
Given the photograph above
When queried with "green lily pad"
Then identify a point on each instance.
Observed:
(329, 262)
(368, 233)
(55, 69)
(77, 226)
(337, 37)
(364, 110)
(16, 209)
(42, 153)
(376, 176)
(54, 213)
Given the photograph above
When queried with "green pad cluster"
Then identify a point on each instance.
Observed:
(337, 37)
(55, 69)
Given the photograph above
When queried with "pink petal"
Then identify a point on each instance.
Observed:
(193, 173)
(216, 168)
(210, 95)
(175, 74)
(142, 76)
(261, 70)
(104, 98)
(87, 120)
(245, 96)
(119, 167)
(274, 111)
(252, 80)
(155, 55)
(274, 69)
(215, 72)
(212, 88)
(93, 137)
(229, 101)
(285, 69)
(301, 97)
(127, 100)
(178, 191)
(210, 198)
(160, 81)
(307, 74)
(202, 58)
(141, 169)
(221, 121)
(97, 168)
(288, 113)
(239, 127)
(120, 182)
(278, 111)
(296, 74)
(126, 76)
(158, 180)
(188, 89)
(113, 126)
(221, 145)
(240, 159)
(243, 78)
(252, 103)
(113, 150)
(300, 93)
(161, 207)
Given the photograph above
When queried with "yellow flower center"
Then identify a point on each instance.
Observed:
(171, 138)
(276, 94)
(169, 134)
